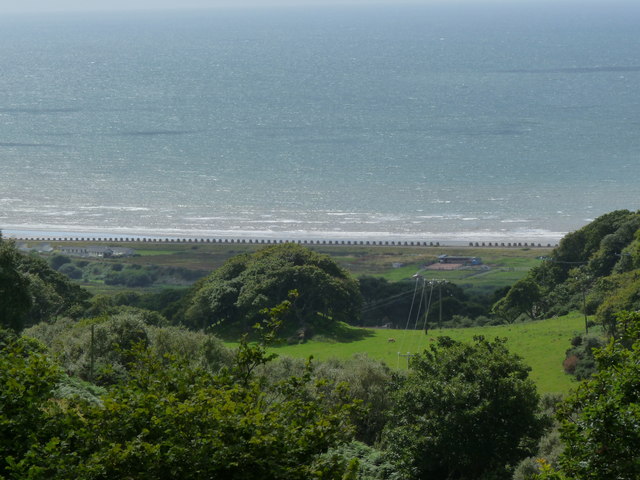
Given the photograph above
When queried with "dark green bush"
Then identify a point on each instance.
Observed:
(579, 360)
(129, 278)
(56, 261)
(70, 271)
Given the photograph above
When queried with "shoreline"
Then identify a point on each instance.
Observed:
(306, 238)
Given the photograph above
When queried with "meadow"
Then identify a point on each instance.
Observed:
(542, 345)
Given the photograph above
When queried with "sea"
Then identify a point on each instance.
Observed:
(438, 122)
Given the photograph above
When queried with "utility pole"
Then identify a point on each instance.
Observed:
(426, 315)
(583, 279)
(584, 309)
(91, 352)
(440, 304)
(438, 282)
(408, 356)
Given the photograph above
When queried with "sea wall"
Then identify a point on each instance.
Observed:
(270, 241)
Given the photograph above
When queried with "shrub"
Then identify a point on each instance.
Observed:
(372, 464)
(481, 321)
(70, 271)
(460, 321)
(78, 351)
(56, 261)
(113, 335)
(129, 278)
(27, 378)
(368, 381)
(570, 363)
(579, 359)
(201, 349)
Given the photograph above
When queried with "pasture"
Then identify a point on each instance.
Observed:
(542, 345)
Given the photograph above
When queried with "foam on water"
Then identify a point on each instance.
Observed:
(337, 123)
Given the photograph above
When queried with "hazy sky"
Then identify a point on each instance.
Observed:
(84, 5)
(21, 6)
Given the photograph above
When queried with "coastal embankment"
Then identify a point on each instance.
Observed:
(270, 241)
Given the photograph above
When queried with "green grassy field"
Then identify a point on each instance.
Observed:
(542, 345)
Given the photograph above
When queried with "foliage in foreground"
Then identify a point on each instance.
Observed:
(466, 411)
(168, 419)
(27, 378)
(600, 422)
(97, 350)
(369, 382)
(550, 446)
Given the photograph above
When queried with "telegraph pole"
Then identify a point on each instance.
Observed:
(440, 304)
(91, 352)
(584, 309)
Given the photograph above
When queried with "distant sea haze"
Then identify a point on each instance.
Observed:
(386, 123)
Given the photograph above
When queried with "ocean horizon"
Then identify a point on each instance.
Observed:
(450, 124)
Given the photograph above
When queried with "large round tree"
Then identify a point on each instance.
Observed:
(466, 412)
(234, 295)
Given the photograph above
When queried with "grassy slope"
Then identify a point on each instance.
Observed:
(541, 344)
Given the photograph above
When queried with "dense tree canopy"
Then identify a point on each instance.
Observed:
(31, 291)
(235, 294)
(385, 302)
(595, 267)
(598, 243)
(15, 300)
(467, 411)
(369, 384)
(614, 294)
